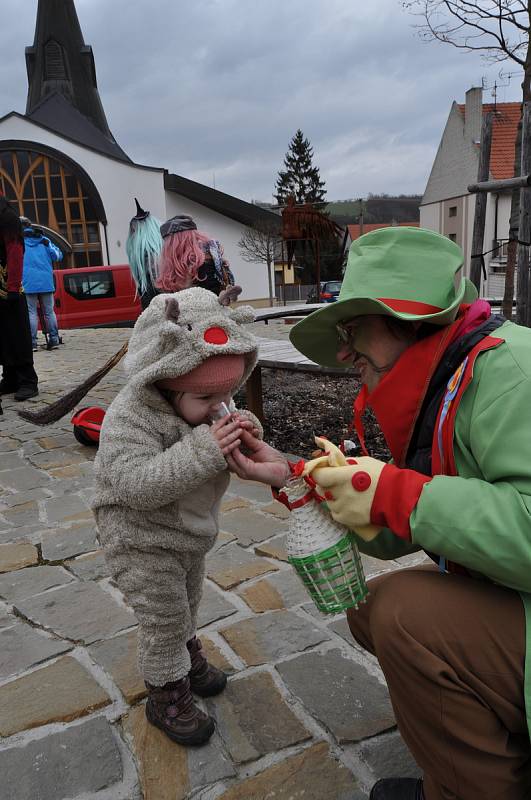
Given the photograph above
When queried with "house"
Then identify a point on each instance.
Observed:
(61, 165)
(448, 207)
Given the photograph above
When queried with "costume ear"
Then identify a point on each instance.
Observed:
(226, 296)
(172, 309)
(242, 314)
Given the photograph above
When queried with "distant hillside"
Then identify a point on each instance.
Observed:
(376, 208)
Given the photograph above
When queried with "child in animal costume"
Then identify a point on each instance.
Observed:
(160, 475)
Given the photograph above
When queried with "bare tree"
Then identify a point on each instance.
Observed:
(499, 29)
(262, 243)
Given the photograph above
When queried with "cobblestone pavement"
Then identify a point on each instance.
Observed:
(305, 714)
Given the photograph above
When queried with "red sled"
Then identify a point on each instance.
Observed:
(87, 425)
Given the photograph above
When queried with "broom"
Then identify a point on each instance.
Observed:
(56, 410)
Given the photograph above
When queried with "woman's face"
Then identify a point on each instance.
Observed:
(372, 348)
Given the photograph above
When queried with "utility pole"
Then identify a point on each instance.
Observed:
(481, 202)
(523, 298)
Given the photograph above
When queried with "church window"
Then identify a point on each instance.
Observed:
(54, 62)
(52, 194)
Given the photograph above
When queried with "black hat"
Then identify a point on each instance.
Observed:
(140, 213)
(177, 224)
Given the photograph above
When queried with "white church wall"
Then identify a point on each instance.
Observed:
(251, 277)
(117, 182)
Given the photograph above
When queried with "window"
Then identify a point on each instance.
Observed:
(452, 211)
(52, 194)
(90, 285)
(452, 237)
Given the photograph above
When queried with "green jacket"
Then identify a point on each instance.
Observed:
(481, 518)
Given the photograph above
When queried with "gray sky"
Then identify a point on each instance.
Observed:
(218, 87)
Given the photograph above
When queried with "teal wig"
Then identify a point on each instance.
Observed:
(143, 247)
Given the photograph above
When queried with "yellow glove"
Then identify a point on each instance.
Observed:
(347, 487)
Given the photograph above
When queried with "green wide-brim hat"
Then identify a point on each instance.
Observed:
(412, 274)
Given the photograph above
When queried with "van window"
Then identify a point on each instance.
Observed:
(90, 285)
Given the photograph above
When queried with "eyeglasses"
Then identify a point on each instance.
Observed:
(346, 333)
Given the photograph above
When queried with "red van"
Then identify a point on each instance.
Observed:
(92, 297)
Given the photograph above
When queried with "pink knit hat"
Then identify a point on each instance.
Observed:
(216, 374)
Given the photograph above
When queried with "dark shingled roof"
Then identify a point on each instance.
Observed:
(56, 113)
(239, 210)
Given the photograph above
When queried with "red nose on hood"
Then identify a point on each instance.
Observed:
(215, 336)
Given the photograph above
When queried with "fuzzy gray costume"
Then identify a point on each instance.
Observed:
(159, 481)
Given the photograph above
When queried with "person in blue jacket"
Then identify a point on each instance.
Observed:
(39, 256)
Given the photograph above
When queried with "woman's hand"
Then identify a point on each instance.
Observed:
(263, 463)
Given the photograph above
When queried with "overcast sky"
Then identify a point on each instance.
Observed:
(214, 89)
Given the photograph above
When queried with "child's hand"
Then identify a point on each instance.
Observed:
(227, 431)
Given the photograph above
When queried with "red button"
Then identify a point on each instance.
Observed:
(361, 481)
(215, 336)
(351, 461)
(328, 495)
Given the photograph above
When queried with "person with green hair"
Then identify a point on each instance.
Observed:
(450, 385)
(143, 247)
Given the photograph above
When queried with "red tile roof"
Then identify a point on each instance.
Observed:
(354, 230)
(504, 125)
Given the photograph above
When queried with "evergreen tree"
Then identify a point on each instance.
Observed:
(299, 178)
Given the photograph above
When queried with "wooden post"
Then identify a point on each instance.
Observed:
(253, 393)
(481, 202)
(524, 228)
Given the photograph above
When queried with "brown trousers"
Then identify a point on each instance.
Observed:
(452, 652)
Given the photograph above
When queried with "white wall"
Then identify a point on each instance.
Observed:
(251, 277)
(430, 217)
(117, 182)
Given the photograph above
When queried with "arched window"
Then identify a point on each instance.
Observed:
(51, 193)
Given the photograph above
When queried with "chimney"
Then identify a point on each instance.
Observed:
(473, 114)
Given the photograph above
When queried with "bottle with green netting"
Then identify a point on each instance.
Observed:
(323, 553)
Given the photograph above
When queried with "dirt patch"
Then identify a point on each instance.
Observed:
(299, 406)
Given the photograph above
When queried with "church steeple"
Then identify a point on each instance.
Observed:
(60, 61)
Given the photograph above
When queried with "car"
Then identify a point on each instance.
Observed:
(329, 292)
(92, 297)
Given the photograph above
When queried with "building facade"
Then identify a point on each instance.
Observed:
(448, 207)
(61, 165)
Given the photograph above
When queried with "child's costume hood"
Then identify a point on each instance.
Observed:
(181, 330)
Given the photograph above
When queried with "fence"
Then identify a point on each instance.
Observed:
(293, 293)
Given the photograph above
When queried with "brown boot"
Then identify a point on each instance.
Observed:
(205, 680)
(172, 709)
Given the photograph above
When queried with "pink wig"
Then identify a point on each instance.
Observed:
(181, 257)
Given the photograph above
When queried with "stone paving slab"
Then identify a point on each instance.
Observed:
(25, 583)
(272, 637)
(281, 590)
(81, 758)
(16, 556)
(24, 478)
(88, 567)
(118, 657)
(275, 548)
(213, 606)
(312, 774)
(59, 692)
(253, 719)
(80, 612)
(388, 756)
(22, 648)
(58, 544)
(250, 527)
(231, 566)
(167, 770)
(350, 702)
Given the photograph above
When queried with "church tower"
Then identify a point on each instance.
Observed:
(60, 63)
